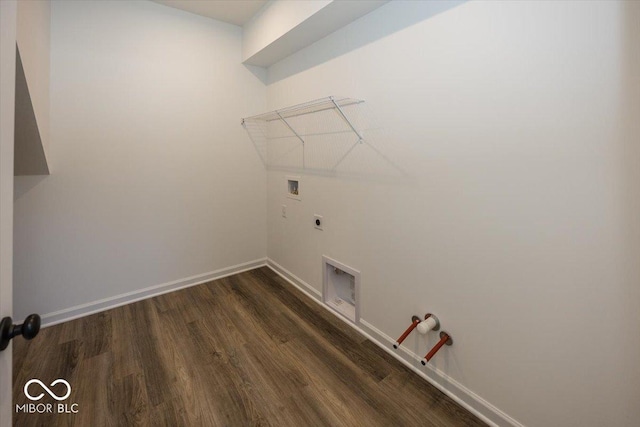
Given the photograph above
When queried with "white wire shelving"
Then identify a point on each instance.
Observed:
(323, 104)
(317, 134)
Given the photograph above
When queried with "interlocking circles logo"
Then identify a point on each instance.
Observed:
(31, 389)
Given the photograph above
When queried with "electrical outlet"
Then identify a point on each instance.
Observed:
(284, 211)
(317, 221)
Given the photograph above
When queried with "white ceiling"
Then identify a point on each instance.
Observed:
(235, 12)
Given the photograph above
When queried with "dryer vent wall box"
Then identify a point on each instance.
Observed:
(293, 187)
(341, 288)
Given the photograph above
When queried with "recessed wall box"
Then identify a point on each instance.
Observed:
(293, 187)
(341, 288)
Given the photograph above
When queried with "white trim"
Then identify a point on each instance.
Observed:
(452, 388)
(456, 391)
(307, 289)
(82, 310)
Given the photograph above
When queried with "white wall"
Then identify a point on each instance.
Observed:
(154, 180)
(516, 219)
(33, 39)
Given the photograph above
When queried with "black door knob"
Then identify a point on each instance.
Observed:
(29, 329)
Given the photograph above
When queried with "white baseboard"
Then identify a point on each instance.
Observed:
(456, 391)
(82, 310)
(309, 290)
(452, 388)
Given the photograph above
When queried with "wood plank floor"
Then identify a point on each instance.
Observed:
(249, 349)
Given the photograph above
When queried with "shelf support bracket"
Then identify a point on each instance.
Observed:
(289, 126)
(344, 117)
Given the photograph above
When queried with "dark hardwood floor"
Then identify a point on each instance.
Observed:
(245, 350)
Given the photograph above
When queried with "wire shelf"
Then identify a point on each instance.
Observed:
(315, 134)
(322, 104)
